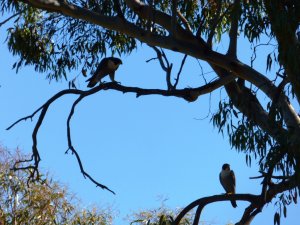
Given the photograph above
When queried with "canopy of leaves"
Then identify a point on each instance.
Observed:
(57, 44)
(47, 202)
(57, 37)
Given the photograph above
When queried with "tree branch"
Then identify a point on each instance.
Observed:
(184, 21)
(189, 94)
(255, 207)
(9, 18)
(179, 72)
(187, 44)
(72, 149)
(202, 202)
(250, 212)
(233, 33)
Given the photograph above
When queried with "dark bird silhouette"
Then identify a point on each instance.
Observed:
(227, 179)
(107, 66)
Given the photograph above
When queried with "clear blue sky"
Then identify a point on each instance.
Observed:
(145, 149)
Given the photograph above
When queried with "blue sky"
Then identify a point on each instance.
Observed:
(145, 149)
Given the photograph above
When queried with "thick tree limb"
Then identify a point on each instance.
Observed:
(233, 33)
(202, 202)
(256, 202)
(72, 149)
(188, 44)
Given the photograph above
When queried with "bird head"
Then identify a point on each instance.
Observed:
(116, 61)
(226, 166)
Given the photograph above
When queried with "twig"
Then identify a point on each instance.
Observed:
(9, 18)
(179, 72)
(85, 174)
(184, 21)
(165, 65)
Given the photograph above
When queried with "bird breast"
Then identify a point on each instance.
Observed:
(111, 65)
(225, 174)
(227, 181)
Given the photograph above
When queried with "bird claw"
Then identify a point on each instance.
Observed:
(116, 82)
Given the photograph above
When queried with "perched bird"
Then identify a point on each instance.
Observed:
(227, 179)
(107, 66)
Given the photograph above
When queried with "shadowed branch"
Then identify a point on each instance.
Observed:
(189, 94)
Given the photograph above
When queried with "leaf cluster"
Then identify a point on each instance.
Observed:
(44, 202)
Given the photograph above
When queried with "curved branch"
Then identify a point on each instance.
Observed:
(189, 94)
(250, 212)
(85, 174)
(257, 202)
(202, 202)
(188, 44)
(9, 18)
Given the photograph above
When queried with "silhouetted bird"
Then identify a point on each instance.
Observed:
(227, 179)
(107, 66)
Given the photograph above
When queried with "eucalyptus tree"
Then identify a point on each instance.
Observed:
(58, 36)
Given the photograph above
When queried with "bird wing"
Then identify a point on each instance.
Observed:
(101, 69)
(221, 181)
(232, 181)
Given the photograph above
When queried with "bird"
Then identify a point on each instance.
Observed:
(107, 66)
(227, 179)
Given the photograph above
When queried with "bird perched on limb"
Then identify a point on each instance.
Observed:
(227, 179)
(107, 66)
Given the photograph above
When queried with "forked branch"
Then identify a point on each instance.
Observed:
(257, 202)
(189, 94)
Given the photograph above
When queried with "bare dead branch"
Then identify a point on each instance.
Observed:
(187, 94)
(179, 72)
(273, 177)
(72, 149)
(250, 212)
(202, 202)
(197, 215)
(256, 202)
(165, 65)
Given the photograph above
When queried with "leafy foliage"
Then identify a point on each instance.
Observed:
(160, 216)
(46, 202)
(58, 44)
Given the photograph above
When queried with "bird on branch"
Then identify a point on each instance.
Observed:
(107, 66)
(227, 179)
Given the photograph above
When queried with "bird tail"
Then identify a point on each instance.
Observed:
(233, 203)
(92, 82)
